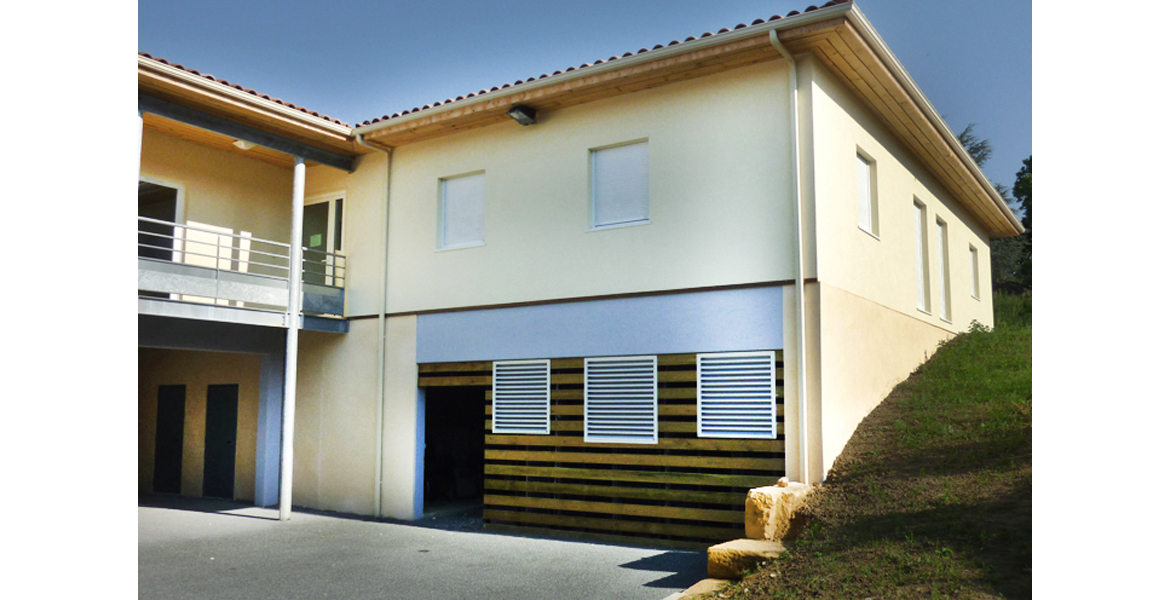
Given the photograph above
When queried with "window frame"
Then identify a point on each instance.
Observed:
(590, 403)
(974, 271)
(594, 225)
(944, 270)
(441, 244)
(872, 204)
(922, 255)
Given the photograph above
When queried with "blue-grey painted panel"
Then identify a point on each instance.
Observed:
(711, 321)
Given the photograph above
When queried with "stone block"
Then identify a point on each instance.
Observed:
(730, 560)
(770, 511)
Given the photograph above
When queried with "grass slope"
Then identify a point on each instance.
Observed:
(932, 497)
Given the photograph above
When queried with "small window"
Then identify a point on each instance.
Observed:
(866, 195)
(621, 185)
(944, 273)
(737, 395)
(461, 211)
(520, 397)
(621, 400)
(974, 273)
(920, 245)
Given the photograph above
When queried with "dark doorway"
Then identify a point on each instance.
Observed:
(159, 203)
(168, 438)
(453, 467)
(219, 454)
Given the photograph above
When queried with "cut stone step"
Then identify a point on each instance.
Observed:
(730, 560)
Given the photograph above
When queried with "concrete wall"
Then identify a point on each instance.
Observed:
(335, 448)
(221, 188)
(720, 199)
(864, 330)
(197, 370)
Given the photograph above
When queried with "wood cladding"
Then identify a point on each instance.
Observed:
(684, 491)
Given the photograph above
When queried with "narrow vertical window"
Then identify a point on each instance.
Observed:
(866, 196)
(920, 254)
(461, 211)
(944, 276)
(621, 400)
(974, 273)
(621, 185)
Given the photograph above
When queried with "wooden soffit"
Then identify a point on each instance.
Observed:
(178, 86)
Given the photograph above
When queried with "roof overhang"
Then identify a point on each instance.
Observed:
(223, 114)
(839, 36)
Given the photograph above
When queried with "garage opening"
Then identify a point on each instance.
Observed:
(453, 459)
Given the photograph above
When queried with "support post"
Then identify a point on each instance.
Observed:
(292, 321)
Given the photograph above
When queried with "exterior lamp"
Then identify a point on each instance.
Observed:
(242, 145)
(524, 115)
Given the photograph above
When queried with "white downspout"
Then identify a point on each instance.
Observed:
(293, 323)
(381, 402)
(801, 367)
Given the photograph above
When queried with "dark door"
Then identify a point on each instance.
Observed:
(314, 240)
(156, 240)
(219, 451)
(168, 438)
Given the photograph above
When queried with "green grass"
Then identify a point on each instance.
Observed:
(932, 497)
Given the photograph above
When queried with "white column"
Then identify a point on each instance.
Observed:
(292, 320)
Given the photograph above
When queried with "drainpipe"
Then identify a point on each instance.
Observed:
(381, 403)
(292, 321)
(801, 369)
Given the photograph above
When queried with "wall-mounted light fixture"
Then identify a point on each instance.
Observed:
(242, 145)
(523, 114)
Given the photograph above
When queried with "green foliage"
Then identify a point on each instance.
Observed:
(1011, 258)
(979, 148)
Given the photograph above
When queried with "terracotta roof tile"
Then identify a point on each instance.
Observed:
(612, 58)
(243, 89)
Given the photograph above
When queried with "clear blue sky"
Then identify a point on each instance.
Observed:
(357, 60)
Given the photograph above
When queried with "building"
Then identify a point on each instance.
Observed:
(608, 299)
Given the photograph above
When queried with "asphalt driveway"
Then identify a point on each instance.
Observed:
(197, 548)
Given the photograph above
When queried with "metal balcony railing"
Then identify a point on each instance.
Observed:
(208, 264)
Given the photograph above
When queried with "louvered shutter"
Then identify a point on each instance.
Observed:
(621, 400)
(737, 395)
(520, 397)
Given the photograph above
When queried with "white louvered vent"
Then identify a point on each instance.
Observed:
(621, 400)
(737, 395)
(520, 397)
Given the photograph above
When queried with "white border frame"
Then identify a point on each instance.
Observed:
(699, 394)
(612, 440)
(547, 395)
(593, 226)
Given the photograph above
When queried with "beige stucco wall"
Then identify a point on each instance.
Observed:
(865, 350)
(720, 198)
(221, 188)
(334, 457)
(883, 268)
(197, 370)
(363, 224)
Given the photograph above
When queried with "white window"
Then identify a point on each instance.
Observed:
(621, 185)
(920, 245)
(621, 400)
(944, 275)
(461, 211)
(974, 273)
(520, 397)
(737, 395)
(866, 195)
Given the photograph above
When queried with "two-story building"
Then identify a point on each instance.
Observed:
(606, 300)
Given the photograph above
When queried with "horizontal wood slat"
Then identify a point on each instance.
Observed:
(682, 490)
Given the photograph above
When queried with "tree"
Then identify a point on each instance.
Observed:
(1011, 258)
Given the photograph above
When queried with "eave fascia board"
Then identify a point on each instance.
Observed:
(220, 125)
(215, 89)
(871, 37)
(665, 52)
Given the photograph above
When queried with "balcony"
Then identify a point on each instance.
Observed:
(213, 273)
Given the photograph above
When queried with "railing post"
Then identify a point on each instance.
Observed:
(295, 268)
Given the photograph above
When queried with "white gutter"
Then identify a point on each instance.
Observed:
(899, 72)
(619, 63)
(292, 323)
(381, 406)
(801, 371)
